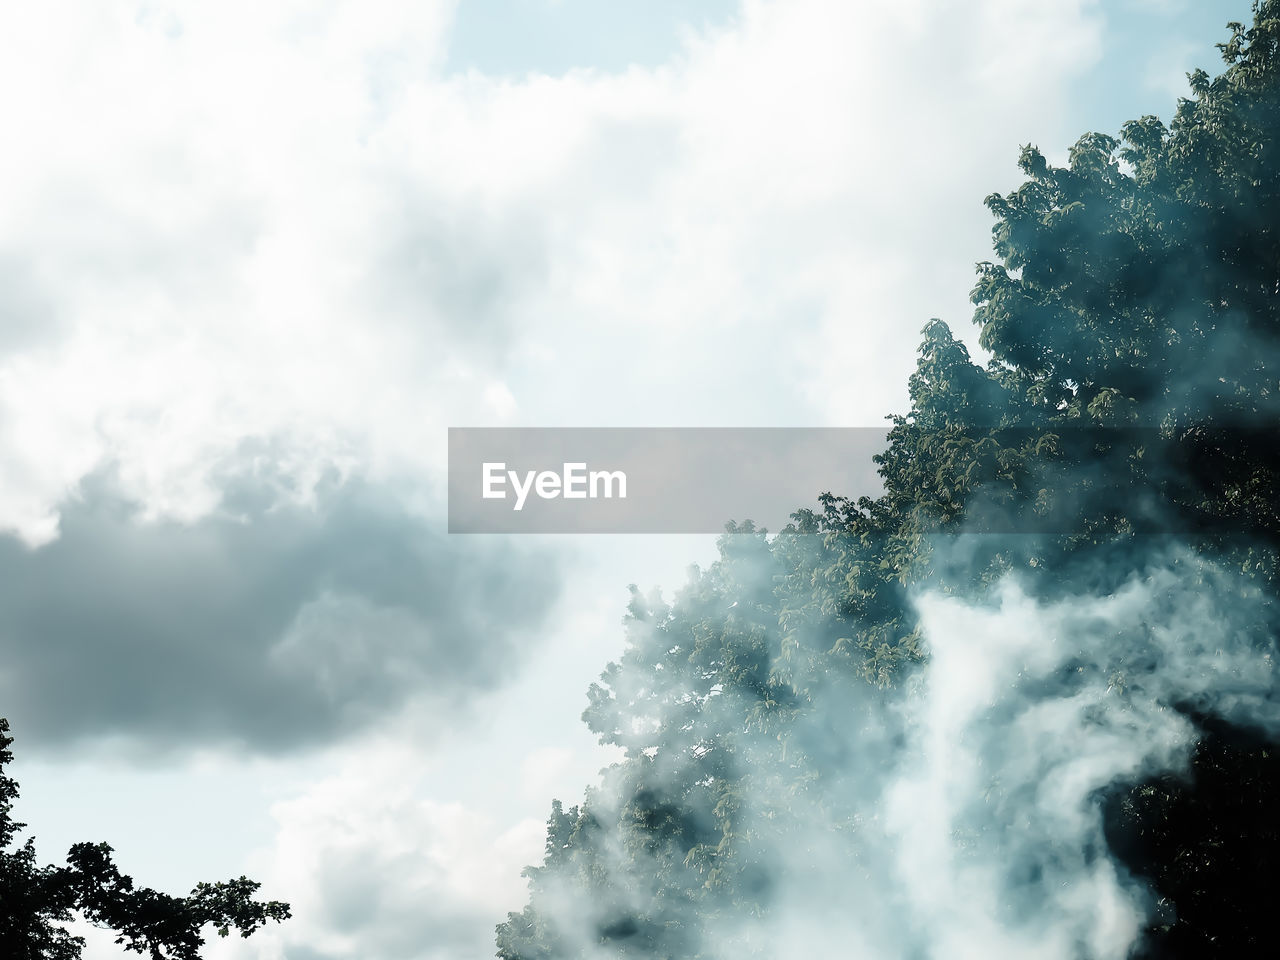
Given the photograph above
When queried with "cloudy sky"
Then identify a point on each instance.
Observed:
(256, 258)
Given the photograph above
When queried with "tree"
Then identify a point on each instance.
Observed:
(1133, 322)
(35, 901)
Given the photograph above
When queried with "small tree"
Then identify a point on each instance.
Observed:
(36, 901)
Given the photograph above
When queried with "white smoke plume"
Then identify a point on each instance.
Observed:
(963, 815)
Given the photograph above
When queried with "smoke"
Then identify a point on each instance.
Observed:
(963, 814)
(1026, 713)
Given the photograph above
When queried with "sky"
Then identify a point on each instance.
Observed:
(255, 259)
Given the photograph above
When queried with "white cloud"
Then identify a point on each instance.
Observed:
(282, 222)
(373, 866)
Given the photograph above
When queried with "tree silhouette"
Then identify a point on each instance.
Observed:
(36, 901)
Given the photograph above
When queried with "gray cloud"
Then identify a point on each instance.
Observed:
(268, 626)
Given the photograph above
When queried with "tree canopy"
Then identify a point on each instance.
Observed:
(37, 901)
(1132, 318)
